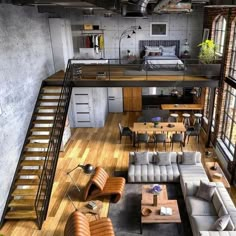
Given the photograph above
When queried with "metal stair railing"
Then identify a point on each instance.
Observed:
(51, 159)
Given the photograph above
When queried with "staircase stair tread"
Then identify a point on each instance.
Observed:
(51, 87)
(46, 113)
(29, 172)
(49, 100)
(36, 145)
(22, 203)
(43, 121)
(21, 214)
(27, 182)
(34, 154)
(43, 129)
(39, 137)
(50, 94)
(48, 107)
(25, 192)
(32, 163)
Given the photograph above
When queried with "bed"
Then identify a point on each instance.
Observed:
(160, 55)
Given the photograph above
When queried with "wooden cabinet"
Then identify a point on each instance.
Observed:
(132, 99)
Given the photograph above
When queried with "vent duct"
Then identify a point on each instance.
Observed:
(135, 8)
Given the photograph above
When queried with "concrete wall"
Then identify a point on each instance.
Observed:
(25, 60)
(181, 26)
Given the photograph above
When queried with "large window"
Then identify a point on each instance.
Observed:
(229, 120)
(232, 68)
(219, 34)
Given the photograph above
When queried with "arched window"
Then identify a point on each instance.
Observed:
(219, 34)
(232, 67)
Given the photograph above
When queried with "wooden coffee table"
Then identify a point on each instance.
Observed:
(155, 217)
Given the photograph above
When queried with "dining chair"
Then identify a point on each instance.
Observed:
(177, 138)
(159, 138)
(125, 131)
(193, 131)
(142, 138)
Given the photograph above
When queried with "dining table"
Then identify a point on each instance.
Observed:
(161, 127)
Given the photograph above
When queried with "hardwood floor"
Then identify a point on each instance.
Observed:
(100, 147)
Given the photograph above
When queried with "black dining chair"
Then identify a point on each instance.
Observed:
(177, 138)
(159, 138)
(142, 138)
(125, 131)
(193, 131)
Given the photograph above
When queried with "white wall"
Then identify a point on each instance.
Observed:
(181, 26)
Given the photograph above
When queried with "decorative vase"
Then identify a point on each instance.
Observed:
(155, 199)
(155, 124)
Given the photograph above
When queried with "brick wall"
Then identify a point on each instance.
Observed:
(210, 14)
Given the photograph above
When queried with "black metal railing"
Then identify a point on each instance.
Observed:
(51, 158)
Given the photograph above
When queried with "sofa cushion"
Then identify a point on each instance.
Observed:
(217, 233)
(206, 191)
(198, 157)
(191, 188)
(217, 202)
(200, 207)
(222, 212)
(141, 158)
(189, 158)
(163, 159)
(153, 173)
(202, 223)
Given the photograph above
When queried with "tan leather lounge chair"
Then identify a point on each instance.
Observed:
(103, 185)
(78, 225)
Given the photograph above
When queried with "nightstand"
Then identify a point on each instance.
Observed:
(183, 56)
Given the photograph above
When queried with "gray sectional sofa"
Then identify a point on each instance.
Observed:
(203, 214)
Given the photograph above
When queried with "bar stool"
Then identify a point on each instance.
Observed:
(186, 119)
(197, 118)
(175, 116)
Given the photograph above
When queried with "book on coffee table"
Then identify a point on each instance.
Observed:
(165, 211)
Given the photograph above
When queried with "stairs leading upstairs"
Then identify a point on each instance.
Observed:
(31, 188)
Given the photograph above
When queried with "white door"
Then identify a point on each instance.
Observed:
(115, 100)
(83, 113)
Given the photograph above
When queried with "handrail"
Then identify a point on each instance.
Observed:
(51, 158)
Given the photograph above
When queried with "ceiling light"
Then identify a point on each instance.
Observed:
(174, 91)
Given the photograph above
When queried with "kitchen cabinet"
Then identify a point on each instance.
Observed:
(89, 107)
(115, 100)
(132, 99)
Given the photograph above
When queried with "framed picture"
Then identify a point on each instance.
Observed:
(158, 29)
(205, 34)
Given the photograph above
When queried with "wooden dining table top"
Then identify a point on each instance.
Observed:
(177, 107)
(161, 127)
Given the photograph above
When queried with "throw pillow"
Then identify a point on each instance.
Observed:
(163, 159)
(206, 191)
(141, 158)
(222, 222)
(189, 158)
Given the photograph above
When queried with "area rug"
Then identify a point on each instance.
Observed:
(125, 214)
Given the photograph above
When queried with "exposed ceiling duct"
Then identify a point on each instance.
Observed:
(134, 8)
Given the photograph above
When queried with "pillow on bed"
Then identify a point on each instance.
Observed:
(170, 49)
(149, 49)
(168, 54)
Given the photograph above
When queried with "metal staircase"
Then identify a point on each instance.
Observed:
(31, 187)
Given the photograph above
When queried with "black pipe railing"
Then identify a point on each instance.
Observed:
(51, 159)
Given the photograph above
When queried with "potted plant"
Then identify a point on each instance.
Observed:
(208, 58)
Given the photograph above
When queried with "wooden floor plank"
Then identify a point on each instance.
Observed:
(98, 146)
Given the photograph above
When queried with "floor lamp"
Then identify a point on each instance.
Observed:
(87, 169)
(127, 33)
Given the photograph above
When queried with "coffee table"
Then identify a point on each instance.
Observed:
(155, 217)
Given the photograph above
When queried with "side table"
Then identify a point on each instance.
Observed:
(211, 172)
